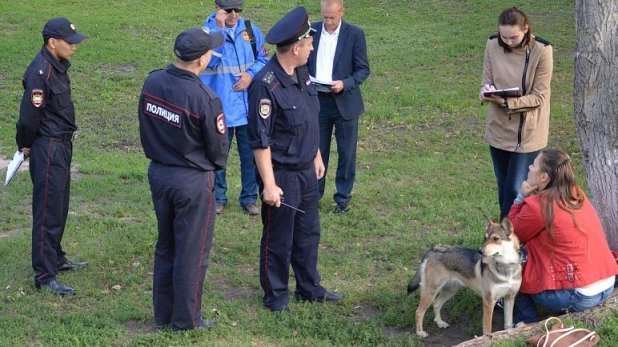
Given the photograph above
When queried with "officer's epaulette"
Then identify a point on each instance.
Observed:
(269, 77)
(493, 36)
(542, 40)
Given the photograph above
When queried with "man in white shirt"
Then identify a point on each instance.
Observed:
(339, 57)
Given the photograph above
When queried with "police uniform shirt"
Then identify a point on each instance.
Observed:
(181, 121)
(283, 115)
(46, 107)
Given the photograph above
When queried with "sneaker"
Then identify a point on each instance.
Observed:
(219, 207)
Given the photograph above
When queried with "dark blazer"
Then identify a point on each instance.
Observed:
(350, 66)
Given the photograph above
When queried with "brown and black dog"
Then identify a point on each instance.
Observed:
(493, 272)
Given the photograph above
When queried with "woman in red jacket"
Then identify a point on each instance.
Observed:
(570, 266)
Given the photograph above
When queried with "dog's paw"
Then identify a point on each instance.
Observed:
(421, 334)
(442, 324)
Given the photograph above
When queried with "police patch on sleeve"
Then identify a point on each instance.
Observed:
(221, 123)
(265, 108)
(36, 97)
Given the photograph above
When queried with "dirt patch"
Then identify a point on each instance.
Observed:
(9, 233)
(135, 327)
(221, 285)
(362, 312)
(119, 69)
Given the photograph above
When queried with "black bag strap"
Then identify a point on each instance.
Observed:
(249, 29)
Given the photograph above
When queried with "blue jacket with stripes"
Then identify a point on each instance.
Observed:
(235, 56)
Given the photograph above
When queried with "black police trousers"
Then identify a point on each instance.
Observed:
(50, 171)
(185, 207)
(291, 237)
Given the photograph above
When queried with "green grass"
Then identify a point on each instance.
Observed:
(424, 177)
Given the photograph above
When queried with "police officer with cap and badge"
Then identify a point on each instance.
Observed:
(183, 132)
(45, 135)
(284, 133)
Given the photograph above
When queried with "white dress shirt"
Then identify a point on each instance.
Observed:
(326, 54)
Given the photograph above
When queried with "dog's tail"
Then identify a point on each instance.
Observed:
(414, 282)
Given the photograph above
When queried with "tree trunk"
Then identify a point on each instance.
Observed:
(595, 99)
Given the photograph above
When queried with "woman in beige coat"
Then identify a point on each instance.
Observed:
(517, 127)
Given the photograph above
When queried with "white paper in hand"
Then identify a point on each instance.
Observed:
(14, 165)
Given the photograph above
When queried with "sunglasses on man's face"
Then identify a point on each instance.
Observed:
(229, 10)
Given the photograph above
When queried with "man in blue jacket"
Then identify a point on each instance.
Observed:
(229, 73)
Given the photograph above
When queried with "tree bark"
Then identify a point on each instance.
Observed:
(595, 99)
(592, 318)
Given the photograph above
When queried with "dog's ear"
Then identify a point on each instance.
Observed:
(507, 225)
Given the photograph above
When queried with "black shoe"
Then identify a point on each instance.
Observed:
(206, 324)
(284, 309)
(72, 265)
(342, 207)
(328, 297)
(56, 287)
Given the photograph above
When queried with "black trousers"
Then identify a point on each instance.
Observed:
(50, 171)
(291, 237)
(185, 207)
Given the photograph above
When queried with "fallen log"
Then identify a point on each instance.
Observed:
(592, 318)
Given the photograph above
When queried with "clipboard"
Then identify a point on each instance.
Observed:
(505, 93)
(18, 159)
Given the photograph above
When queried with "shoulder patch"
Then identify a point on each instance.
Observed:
(493, 36)
(542, 40)
(221, 123)
(269, 77)
(36, 97)
(265, 108)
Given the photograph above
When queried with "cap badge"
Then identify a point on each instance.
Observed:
(36, 97)
(265, 108)
(221, 123)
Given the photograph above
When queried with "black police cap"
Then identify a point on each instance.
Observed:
(290, 29)
(62, 28)
(194, 43)
(227, 4)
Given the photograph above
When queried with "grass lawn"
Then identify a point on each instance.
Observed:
(424, 178)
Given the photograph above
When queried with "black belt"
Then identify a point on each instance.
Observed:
(277, 167)
(326, 94)
(64, 137)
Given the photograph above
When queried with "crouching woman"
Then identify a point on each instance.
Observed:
(570, 266)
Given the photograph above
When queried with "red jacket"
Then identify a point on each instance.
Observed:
(575, 259)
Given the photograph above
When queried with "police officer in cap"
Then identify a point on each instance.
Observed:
(284, 131)
(183, 132)
(45, 135)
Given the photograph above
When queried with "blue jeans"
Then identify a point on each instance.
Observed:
(511, 169)
(248, 194)
(556, 301)
(346, 135)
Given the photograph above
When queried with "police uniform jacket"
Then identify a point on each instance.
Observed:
(234, 57)
(283, 115)
(46, 107)
(523, 126)
(181, 121)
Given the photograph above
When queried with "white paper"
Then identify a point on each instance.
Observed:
(320, 82)
(14, 165)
